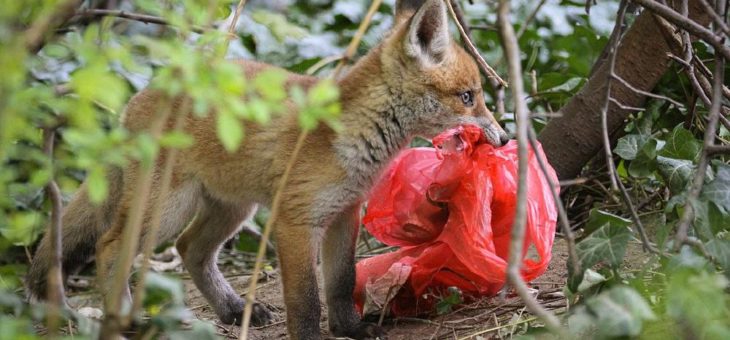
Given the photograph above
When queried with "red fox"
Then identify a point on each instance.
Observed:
(418, 81)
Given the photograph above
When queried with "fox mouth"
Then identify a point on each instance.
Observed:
(493, 137)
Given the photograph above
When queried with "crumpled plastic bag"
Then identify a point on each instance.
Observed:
(450, 209)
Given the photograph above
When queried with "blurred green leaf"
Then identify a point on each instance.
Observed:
(718, 190)
(620, 312)
(230, 131)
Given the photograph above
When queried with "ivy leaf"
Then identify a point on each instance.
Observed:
(620, 312)
(681, 144)
(607, 244)
(628, 146)
(645, 162)
(720, 250)
(230, 131)
(598, 218)
(675, 172)
(718, 190)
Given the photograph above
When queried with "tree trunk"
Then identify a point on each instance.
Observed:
(571, 140)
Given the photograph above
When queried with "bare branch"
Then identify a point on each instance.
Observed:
(688, 25)
(717, 19)
(278, 195)
(488, 70)
(709, 141)
(529, 18)
(147, 19)
(573, 259)
(54, 288)
(352, 47)
(613, 45)
(616, 183)
(645, 93)
(512, 55)
(169, 158)
(114, 321)
(717, 149)
(493, 82)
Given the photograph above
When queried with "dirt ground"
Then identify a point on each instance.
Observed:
(490, 318)
(504, 316)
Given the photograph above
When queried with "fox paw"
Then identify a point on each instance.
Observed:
(362, 330)
(260, 315)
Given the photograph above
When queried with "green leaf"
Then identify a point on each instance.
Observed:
(696, 300)
(645, 162)
(23, 228)
(720, 251)
(161, 290)
(176, 139)
(607, 245)
(270, 84)
(675, 172)
(322, 93)
(598, 218)
(718, 190)
(279, 26)
(619, 312)
(628, 146)
(681, 144)
(230, 131)
(97, 184)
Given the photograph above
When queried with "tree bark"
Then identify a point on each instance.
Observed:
(573, 139)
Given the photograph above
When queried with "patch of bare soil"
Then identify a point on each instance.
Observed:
(494, 317)
(488, 318)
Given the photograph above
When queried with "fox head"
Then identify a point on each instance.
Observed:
(437, 78)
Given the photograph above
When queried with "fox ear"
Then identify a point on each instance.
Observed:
(404, 9)
(428, 34)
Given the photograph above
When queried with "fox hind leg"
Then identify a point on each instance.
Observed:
(199, 245)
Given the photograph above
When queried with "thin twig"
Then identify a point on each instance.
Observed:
(322, 63)
(573, 259)
(150, 240)
(719, 21)
(645, 93)
(236, 15)
(615, 38)
(278, 195)
(685, 23)
(488, 70)
(529, 19)
(493, 82)
(717, 149)
(512, 55)
(699, 177)
(352, 47)
(145, 18)
(275, 206)
(54, 287)
(130, 238)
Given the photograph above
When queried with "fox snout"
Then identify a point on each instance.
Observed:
(495, 134)
(492, 131)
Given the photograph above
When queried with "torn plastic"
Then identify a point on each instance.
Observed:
(450, 209)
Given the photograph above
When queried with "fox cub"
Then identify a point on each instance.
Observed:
(418, 81)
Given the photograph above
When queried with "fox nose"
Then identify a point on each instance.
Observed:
(503, 138)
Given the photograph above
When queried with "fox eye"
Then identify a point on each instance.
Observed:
(467, 97)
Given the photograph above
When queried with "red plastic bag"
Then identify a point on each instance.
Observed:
(450, 210)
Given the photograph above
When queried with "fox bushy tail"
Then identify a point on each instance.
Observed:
(83, 225)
